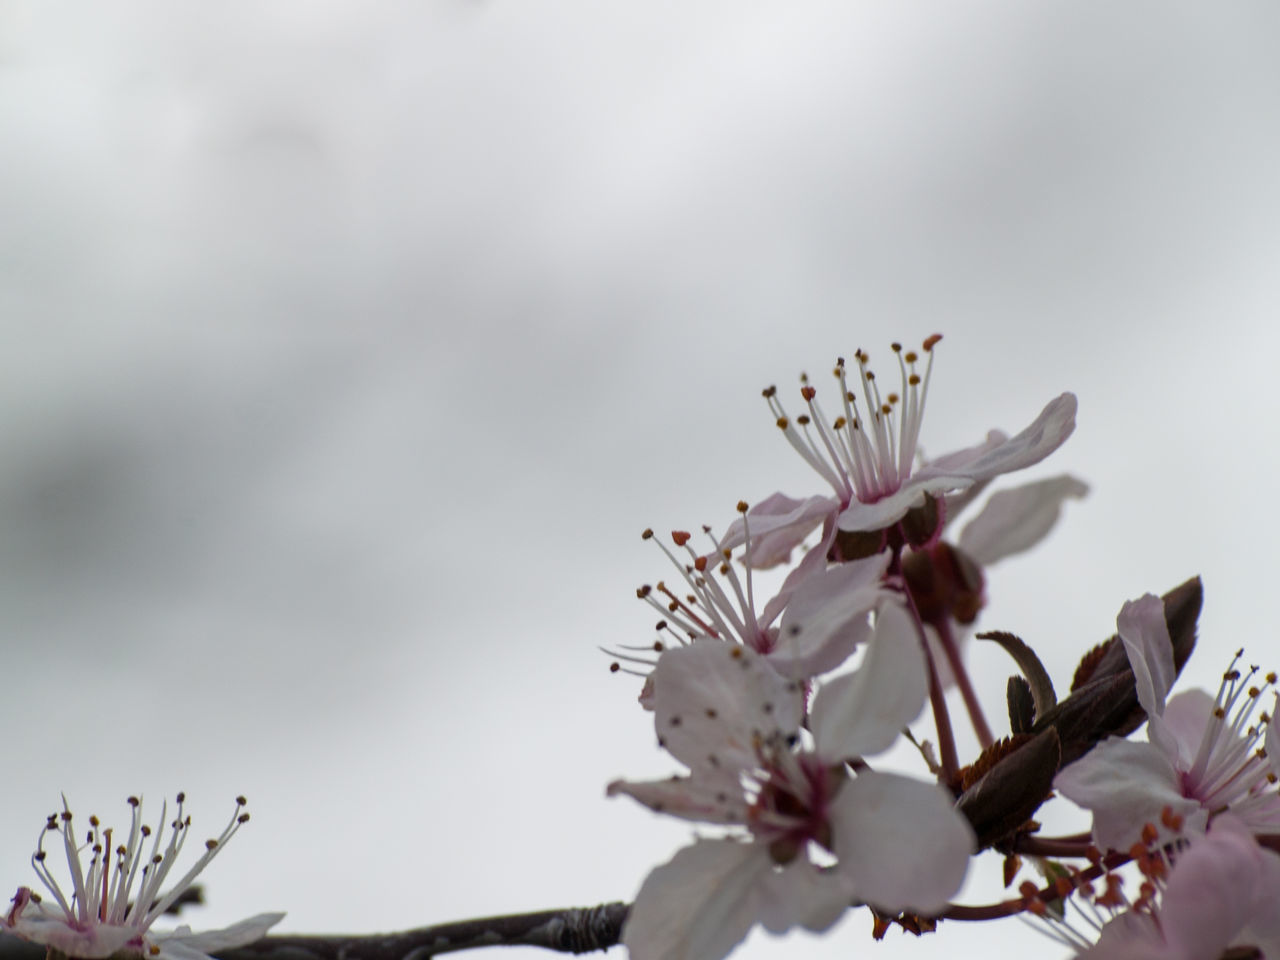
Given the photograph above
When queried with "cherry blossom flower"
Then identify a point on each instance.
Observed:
(1203, 755)
(868, 457)
(1198, 900)
(736, 724)
(811, 626)
(110, 906)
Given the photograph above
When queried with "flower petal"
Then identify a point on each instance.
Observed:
(827, 617)
(239, 934)
(862, 713)
(1212, 891)
(777, 524)
(900, 842)
(1145, 634)
(704, 798)
(713, 698)
(699, 905)
(1125, 785)
(801, 895)
(1046, 433)
(859, 516)
(1016, 520)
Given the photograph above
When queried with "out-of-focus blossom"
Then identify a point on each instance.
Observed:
(736, 724)
(867, 455)
(1203, 756)
(111, 904)
(1221, 893)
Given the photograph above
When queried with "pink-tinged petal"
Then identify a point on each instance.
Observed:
(1016, 520)
(959, 460)
(900, 842)
(1211, 891)
(827, 617)
(713, 698)
(1130, 936)
(699, 905)
(1263, 928)
(1046, 433)
(862, 713)
(777, 525)
(811, 564)
(706, 798)
(1145, 634)
(1125, 785)
(889, 510)
(240, 934)
(94, 942)
(802, 895)
(1186, 718)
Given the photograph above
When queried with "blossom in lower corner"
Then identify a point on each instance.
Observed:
(867, 454)
(109, 905)
(897, 843)
(1204, 755)
(1203, 897)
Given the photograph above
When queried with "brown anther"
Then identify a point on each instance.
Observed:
(742, 506)
(648, 534)
(769, 391)
(803, 420)
(241, 801)
(808, 393)
(210, 844)
(1271, 677)
(1149, 833)
(736, 653)
(913, 380)
(243, 818)
(615, 667)
(895, 347)
(681, 537)
(700, 564)
(644, 591)
(931, 341)
(782, 423)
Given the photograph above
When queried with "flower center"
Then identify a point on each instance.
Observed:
(1231, 767)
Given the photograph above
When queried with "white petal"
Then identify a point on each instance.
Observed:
(699, 905)
(1045, 434)
(1016, 520)
(1125, 785)
(1211, 891)
(97, 941)
(711, 700)
(1145, 634)
(701, 798)
(801, 895)
(889, 510)
(239, 934)
(901, 842)
(862, 713)
(827, 617)
(1186, 718)
(777, 524)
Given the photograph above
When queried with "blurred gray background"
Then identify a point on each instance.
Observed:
(348, 348)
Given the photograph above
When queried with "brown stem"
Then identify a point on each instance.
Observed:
(572, 930)
(976, 717)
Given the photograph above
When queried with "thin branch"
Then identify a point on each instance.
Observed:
(571, 930)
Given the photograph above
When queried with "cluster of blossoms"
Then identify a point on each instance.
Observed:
(778, 706)
(107, 908)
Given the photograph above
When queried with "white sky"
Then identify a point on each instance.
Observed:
(348, 347)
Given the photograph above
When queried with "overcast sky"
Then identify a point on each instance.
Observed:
(348, 348)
